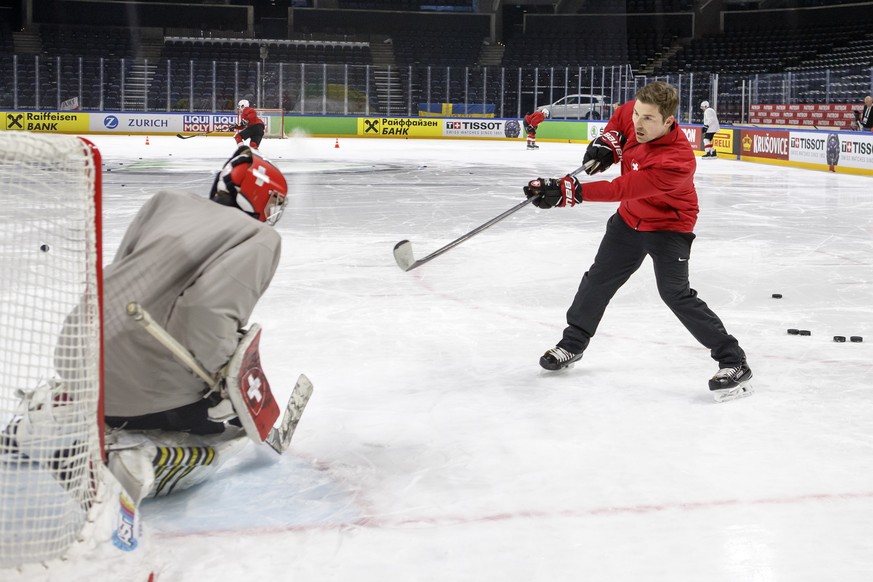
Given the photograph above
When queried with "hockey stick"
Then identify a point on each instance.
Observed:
(279, 437)
(142, 317)
(403, 250)
(220, 129)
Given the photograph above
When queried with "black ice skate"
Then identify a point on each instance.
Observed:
(558, 358)
(731, 383)
(533, 146)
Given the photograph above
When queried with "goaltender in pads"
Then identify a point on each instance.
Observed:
(199, 266)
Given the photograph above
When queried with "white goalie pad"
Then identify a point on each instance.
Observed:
(156, 463)
(248, 389)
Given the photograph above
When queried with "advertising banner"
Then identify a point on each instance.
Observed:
(470, 128)
(810, 148)
(595, 129)
(157, 123)
(203, 122)
(399, 127)
(838, 115)
(694, 135)
(848, 150)
(765, 143)
(723, 141)
(134, 123)
(46, 121)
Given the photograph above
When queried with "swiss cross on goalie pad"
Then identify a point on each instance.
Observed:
(248, 389)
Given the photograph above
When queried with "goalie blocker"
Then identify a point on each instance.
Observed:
(247, 388)
(242, 382)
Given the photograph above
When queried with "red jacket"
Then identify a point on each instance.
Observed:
(249, 117)
(656, 186)
(534, 119)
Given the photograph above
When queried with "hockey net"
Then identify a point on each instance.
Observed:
(55, 491)
(274, 122)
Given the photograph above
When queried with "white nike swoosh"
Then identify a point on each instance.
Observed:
(681, 259)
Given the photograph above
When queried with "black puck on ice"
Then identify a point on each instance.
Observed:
(805, 332)
(777, 296)
(793, 331)
(839, 338)
(44, 248)
(856, 339)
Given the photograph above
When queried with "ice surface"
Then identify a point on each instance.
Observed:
(435, 448)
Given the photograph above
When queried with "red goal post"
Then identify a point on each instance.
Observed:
(61, 510)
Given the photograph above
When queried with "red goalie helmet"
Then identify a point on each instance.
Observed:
(253, 184)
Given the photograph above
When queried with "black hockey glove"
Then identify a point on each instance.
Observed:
(549, 192)
(603, 152)
(529, 128)
(705, 128)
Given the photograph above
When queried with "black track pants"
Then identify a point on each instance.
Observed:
(621, 253)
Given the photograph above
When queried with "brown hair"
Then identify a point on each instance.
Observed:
(661, 94)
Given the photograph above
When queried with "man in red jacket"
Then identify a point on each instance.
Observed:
(656, 217)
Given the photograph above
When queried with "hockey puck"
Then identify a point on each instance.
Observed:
(839, 338)
(805, 332)
(793, 331)
(856, 339)
(44, 248)
(777, 296)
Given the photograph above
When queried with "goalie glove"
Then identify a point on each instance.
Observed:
(549, 192)
(603, 152)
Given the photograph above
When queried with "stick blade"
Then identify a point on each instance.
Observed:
(279, 437)
(403, 255)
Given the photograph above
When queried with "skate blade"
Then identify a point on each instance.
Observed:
(550, 368)
(734, 393)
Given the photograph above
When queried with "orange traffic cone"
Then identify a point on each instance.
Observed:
(336, 145)
(147, 140)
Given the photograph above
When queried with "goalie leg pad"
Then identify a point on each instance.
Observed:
(248, 389)
(158, 463)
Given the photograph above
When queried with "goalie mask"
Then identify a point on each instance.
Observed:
(250, 182)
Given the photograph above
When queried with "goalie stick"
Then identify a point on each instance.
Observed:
(403, 250)
(279, 438)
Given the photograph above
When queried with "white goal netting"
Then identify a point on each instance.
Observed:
(50, 429)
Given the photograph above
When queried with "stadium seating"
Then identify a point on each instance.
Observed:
(431, 56)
